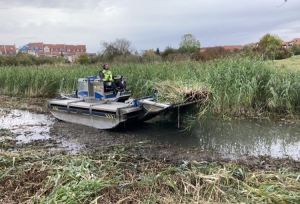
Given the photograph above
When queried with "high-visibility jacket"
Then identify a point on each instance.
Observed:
(107, 75)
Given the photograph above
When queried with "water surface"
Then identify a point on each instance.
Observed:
(255, 137)
(235, 138)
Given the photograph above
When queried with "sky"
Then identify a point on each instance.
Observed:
(147, 24)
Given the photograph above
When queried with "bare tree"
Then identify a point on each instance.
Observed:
(116, 48)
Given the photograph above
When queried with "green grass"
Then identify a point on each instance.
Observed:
(292, 63)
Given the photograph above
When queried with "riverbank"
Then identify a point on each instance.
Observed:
(124, 169)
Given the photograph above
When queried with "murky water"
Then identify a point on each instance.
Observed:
(26, 125)
(30, 126)
(274, 138)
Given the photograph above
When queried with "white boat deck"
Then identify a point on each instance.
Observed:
(112, 106)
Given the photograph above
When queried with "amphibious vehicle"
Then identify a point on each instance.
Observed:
(93, 103)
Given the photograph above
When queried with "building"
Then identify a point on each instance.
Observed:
(7, 49)
(295, 41)
(69, 52)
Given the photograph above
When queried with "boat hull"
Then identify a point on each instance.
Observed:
(100, 115)
(88, 120)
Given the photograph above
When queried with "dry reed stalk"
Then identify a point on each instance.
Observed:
(179, 92)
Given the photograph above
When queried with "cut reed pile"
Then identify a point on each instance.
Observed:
(180, 92)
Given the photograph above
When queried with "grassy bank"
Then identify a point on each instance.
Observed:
(292, 62)
(35, 175)
(240, 86)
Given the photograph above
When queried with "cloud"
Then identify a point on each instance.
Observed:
(147, 24)
(56, 4)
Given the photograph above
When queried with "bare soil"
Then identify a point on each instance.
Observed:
(90, 140)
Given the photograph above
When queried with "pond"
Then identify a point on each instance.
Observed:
(232, 138)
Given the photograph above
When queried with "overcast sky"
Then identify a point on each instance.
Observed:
(147, 24)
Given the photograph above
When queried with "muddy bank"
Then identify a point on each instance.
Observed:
(74, 138)
(37, 105)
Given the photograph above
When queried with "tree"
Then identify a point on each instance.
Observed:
(168, 50)
(189, 44)
(149, 52)
(150, 56)
(295, 48)
(157, 51)
(269, 45)
(117, 48)
(270, 41)
(83, 59)
(211, 53)
(60, 59)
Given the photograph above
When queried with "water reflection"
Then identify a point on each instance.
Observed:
(274, 138)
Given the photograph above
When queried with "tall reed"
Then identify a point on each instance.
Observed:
(240, 85)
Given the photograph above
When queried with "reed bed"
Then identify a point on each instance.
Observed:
(42, 81)
(38, 176)
(239, 86)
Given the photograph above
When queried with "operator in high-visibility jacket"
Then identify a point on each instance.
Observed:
(107, 76)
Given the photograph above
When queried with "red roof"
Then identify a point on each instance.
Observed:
(38, 44)
(7, 49)
(296, 41)
(76, 48)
